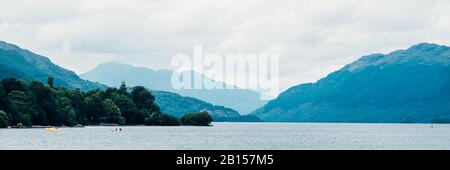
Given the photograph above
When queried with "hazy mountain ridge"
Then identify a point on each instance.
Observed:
(410, 85)
(21, 63)
(178, 105)
(423, 53)
(161, 80)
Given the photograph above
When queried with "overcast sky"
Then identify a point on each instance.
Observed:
(313, 38)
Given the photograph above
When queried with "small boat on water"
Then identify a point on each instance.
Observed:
(51, 129)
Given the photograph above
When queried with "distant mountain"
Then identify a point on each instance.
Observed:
(23, 64)
(406, 86)
(178, 105)
(112, 73)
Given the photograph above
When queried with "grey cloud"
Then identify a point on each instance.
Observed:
(313, 38)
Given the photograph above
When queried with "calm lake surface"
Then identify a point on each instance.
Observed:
(236, 136)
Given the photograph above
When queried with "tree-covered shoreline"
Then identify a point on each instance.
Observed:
(34, 103)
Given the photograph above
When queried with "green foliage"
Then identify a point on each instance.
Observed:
(144, 99)
(127, 107)
(178, 105)
(66, 112)
(2, 97)
(50, 81)
(4, 119)
(24, 64)
(77, 99)
(112, 113)
(141, 105)
(93, 103)
(158, 119)
(123, 89)
(197, 119)
(42, 104)
(11, 84)
(20, 105)
(20, 125)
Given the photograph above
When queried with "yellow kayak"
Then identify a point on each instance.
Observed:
(51, 129)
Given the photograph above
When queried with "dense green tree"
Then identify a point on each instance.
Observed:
(123, 89)
(38, 117)
(93, 103)
(109, 92)
(43, 104)
(66, 112)
(50, 81)
(145, 103)
(144, 99)
(159, 119)
(112, 113)
(197, 119)
(20, 125)
(4, 119)
(12, 84)
(22, 111)
(128, 108)
(46, 99)
(77, 98)
(3, 95)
